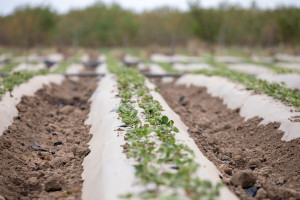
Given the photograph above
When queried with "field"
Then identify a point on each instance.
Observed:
(138, 124)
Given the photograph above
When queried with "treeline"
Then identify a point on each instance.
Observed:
(102, 25)
(230, 25)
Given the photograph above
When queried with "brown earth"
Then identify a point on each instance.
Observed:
(42, 151)
(247, 154)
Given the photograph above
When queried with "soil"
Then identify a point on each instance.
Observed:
(146, 70)
(253, 160)
(42, 151)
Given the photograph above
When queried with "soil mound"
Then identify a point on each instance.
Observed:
(42, 151)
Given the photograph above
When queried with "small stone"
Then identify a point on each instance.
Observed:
(181, 99)
(261, 194)
(254, 163)
(57, 162)
(77, 141)
(33, 181)
(58, 143)
(244, 178)
(281, 181)
(66, 109)
(80, 151)
(55, 184)
(44, 156)
(21, 108)
(237, 128)
(266, 171)
(2, 197)
(228, 171)
(226, 161)
(251, 191)
(45, 166)
(184, 102)
(37, 144)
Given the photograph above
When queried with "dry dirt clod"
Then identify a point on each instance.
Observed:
(32, 181)
(275, 192)
(54, 184)
(261, 194)
(57, 162)
(265, 171)
(21, 108)
(45, 166)
(255, 162)
(5, 144)
(44, 156)
(228, 171)
(33, 184)
(244, 178)
(80, 151)
(66, 109)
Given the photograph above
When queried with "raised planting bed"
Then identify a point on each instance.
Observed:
(10, 78)
(287, 78)
(245, 142)
(290, 80)
(251, 69)
(287, 58)
(275, 67)
(251, 104)
(276, 90)
(15, 86)
(287, 92)
(175, 58)
(8, 67)
(191, 67)
(44, 145)
(290, 66)
(140, 149)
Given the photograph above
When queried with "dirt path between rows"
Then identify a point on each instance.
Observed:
(253, 160)
(42, 151)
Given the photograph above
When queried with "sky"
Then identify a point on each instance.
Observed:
(63, 6)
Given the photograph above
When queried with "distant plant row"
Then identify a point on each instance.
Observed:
(103, 25)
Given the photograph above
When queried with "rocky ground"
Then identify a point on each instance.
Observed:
(42, 151)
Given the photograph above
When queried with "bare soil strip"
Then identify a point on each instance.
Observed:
(42, 151)
(240, 149)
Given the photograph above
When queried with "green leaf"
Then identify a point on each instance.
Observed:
(133, 113)
(175, 129)
(164, 119)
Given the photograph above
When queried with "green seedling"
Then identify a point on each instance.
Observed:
(150, 156)
(276, 90)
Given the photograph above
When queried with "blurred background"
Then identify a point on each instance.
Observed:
(193, 25)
